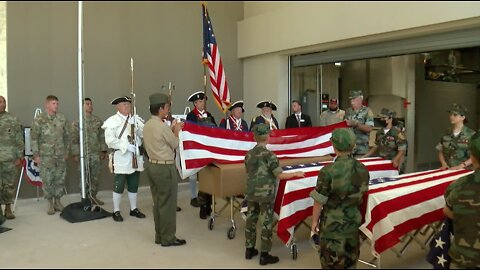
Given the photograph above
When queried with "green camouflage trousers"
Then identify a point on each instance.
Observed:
(339, 253)
(91, 176)
(265, 210)
(53, 170)
(8, 177)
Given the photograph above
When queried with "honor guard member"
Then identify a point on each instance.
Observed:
(161, 140)
(95, 149)
(337, 199)
(390, 141)
(50, 142)
(11, 155)
(201, 117)
(461, 205)
(263, 169)
(123, 133)
(333, 115)
(235, 120)
(453, 149)
(266, 116)
(360, 119)
(297, 118)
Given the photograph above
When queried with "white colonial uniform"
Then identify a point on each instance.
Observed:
(122, 158)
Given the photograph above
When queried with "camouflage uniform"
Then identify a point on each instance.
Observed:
(340, 188)
(50, 140)
(390, 143)
(462, 198)
(11, 149)
(94, 144)
(262, 167)
(364, 116)
(455, 149)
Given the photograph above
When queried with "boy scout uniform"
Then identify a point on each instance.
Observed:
(462, 198)
(340, 188)
(455, 148)
(160, 144)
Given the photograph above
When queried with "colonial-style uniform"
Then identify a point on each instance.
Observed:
(233, 123)
(50, 140)
(203, 118)
(119, 133)
(94, 145)
(160, 144)
(340, 188)
(11, 149)
(269, 120)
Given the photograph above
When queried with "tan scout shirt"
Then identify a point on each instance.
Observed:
(159, 140)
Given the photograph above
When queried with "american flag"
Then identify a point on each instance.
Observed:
(293, 202)
(394, 208)
(211, 57)
(32, 172)
(202, 145)
(438, 253)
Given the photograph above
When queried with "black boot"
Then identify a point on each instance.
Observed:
(250, 253)
(266, 258)
(203, 212)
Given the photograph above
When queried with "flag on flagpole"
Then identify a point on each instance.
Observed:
(211, 57)
(439, 246)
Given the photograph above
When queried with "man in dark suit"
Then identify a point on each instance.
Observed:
(266, 116)
(297, 118)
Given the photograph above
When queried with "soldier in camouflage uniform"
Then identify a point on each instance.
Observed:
(263, 168)
(200, 116)
(462, 199)
(452, 149)
(390, 141)
(95, 149)
(340, 188)
(360, 119)
(50, 141)
(11, 154)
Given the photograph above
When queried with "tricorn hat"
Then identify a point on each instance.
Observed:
(237, 104)
(121, 99)
(267, 103)
(196, 96)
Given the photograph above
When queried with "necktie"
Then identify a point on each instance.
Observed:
(298, 120)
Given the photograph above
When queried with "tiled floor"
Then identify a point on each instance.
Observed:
(41, 241)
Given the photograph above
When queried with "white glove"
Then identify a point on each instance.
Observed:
(132, 148)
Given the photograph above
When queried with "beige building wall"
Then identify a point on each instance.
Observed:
(268, 34)
(165, 40)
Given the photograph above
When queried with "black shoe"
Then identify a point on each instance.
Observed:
(250, 253)
(176, 242)
(179, 209)
(203, 212)
(266, 258)
(117, 216)
(194, 202)
(136, 213)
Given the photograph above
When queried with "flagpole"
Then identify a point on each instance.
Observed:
(80, 94)
(204, 62)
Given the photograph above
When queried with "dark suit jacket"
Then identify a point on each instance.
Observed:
(305, 121)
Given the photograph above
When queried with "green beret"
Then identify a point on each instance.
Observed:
(387, 113)
(456, 108)
(355, 93)
(474, 145)
(261, 129)
(158, 98)
(343, 139)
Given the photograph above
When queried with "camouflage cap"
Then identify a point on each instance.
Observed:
(387, 113)
(343, 139)
(456, 108)
(261, 129)
(355, 94)
(474, 145)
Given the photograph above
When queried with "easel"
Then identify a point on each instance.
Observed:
(27, 154)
